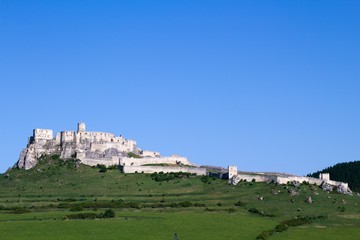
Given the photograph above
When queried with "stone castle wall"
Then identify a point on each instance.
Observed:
(150, 154)
(152, 169)
(110, 161)
(101, 147)
(95, 136)
(42, 134)
(257, 178)
(284, 179)
(67, 137)
(127, 161)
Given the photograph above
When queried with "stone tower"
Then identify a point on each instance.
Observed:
(324, 176)
(232, 171)
(81, 127)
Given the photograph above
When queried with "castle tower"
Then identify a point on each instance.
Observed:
(232, 171)
(81, 127)
(324, 176)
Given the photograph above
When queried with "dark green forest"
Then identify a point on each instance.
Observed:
(345, 172)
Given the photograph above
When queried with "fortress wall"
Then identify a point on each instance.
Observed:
(336, 183)
(103, 146)
(258, 178)
(131, 145)
(106, 145)
(152, 169)
(46, 134)
(150, 154)
(92, 136)
(67, 136)
(284, 180)
(118, 139)
(126, 161)
(106, 161)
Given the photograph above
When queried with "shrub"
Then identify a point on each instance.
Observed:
(205, 179)
(199, 205)
(281, 227)
(109, 213)
(76, 208)
(102, 168)
(161, 176)
(185, 204)
(240, 204)
(112, 167)
(297, 221)
(55, 157)
(265, 235)
(82, 216)
(254, 210)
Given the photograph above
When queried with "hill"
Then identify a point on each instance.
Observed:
(44, 201)
(345, 172)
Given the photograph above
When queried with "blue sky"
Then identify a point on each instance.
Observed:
(265, 85)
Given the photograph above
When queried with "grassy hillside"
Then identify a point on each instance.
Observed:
(38, 201)
(345, 172)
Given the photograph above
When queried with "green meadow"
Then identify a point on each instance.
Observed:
(38, 204)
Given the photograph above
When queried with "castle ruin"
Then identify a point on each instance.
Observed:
(93, 148)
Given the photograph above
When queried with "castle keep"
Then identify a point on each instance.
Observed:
(93, 148)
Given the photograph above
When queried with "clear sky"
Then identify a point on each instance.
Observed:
(265, 85)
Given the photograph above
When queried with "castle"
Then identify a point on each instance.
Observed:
(93, 148)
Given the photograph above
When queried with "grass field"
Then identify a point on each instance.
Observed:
(34, 205)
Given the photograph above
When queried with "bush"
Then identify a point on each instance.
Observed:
(265, 235)
(281, 227)
(297, 221)
(261, 213)
(55, 157)
(240, 204)
(109, 214)
(161, 176)
(113, 167)
(254, 210)
(205, 179)
(82, 216)
(342, 209)
(102, 168)
(76, 208)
